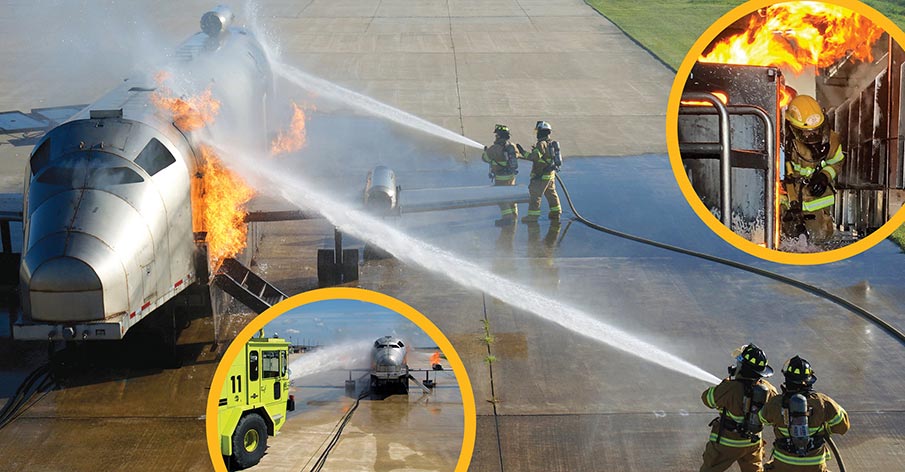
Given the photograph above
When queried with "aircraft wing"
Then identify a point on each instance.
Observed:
(32, 125)
(11, 205)
(451, 198)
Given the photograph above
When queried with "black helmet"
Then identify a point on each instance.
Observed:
(798, 374)
(751, 363)
(501, 131)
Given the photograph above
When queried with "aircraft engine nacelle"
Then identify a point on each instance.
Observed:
(381, 193)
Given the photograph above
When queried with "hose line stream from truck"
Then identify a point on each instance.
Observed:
(812, 289)
(338, 431)
(38, 381)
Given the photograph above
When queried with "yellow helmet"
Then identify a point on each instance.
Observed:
(806, 118)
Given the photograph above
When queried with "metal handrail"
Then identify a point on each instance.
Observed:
(725, 149)
(770, 145)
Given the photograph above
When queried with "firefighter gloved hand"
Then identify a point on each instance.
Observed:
(521, 149)
(819, 184)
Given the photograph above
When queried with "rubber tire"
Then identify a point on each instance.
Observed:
(350, 265)
(242, 458)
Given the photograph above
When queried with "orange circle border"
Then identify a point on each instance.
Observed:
(675, 158)
(343, 293)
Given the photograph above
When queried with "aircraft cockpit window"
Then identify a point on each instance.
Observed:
(40, 157)
(82, 171)
(104, 176)
(400, 344)
(154, 157)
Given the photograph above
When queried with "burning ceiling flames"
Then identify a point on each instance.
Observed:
(796, 35)
(224, 194)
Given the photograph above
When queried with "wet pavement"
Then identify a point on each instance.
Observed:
(553, 399)
(567, 397)
(389, 430)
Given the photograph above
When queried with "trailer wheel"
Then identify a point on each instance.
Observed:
(249, 441)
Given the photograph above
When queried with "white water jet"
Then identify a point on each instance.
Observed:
(343, 356)
(416, 252)
(331, 91)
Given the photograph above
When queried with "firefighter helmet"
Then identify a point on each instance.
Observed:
(543, 125)
(798, 374)
(807, 121)
(501, 131)
(751, 362)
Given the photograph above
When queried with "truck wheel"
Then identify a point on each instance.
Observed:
(249, 441)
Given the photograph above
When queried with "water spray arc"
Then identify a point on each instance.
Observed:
(416, 252)
(361, 102)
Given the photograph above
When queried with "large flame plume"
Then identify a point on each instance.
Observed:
(225, 196)
(294, 138)
(795, 35)
(189, 113)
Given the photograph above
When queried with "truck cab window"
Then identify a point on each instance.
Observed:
(271, 364)
(253, 365)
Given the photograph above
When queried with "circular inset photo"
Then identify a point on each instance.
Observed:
(783, 129)
(341, 379)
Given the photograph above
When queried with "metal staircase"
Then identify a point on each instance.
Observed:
(246, 286)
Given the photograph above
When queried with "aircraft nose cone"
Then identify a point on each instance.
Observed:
(65, 289)
(64, 274)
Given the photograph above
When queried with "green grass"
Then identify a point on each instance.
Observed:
(898, 237)
(668, 28)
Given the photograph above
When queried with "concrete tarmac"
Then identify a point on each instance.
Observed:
(389, 430)
(553, 400)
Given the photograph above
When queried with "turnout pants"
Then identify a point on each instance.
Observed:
(507, 210)
(719, 457)
(547, 188)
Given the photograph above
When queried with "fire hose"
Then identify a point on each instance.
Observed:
(835, 450)
(322, 459)
(809, 288)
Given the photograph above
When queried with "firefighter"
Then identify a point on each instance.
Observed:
(813, 160)
(800, 444)
(502, 157)
(735, 434)
(543, 155)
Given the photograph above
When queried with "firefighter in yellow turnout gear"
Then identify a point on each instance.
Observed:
(735, 434)
(543, 173)
(802, 419)
(813, 160)
(501, 156)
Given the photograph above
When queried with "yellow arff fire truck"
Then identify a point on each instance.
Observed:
(254, 400)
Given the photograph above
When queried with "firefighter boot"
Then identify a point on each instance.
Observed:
(505, 221)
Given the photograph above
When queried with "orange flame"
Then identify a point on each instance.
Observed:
(189, 113)
(162, 76)
(295, 138)
(223, 216)
(798, 34)
(721, 96)
(435, 358)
